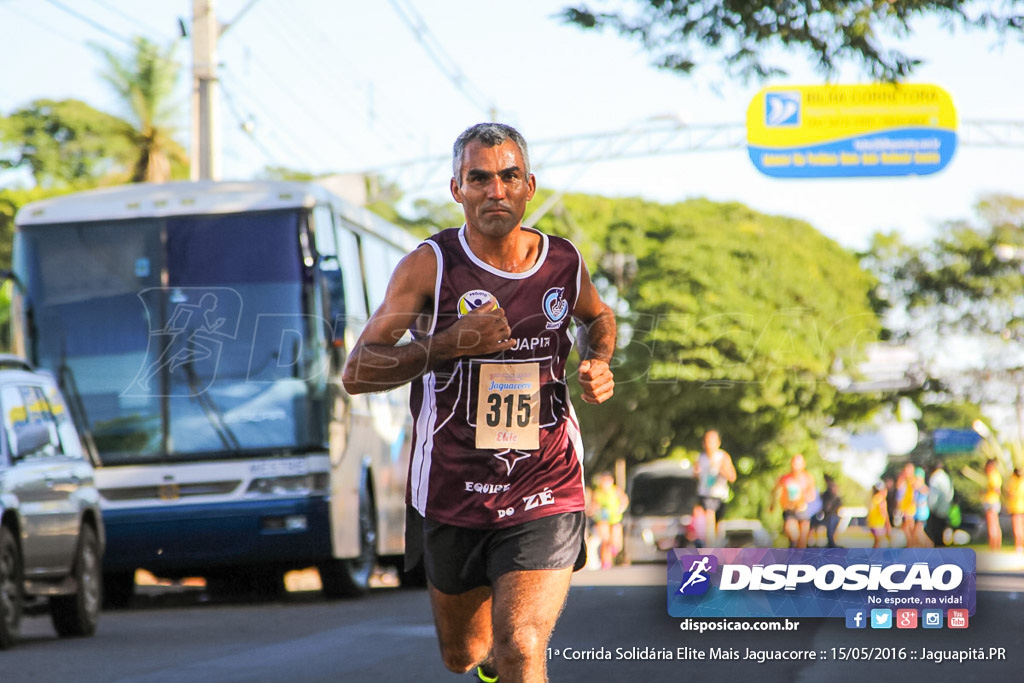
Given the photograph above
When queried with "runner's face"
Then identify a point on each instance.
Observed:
(494, 188)
(711, 442)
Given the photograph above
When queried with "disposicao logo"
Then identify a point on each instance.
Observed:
(774, 582)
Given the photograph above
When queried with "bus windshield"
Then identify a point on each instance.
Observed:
(662, 495)
(181, 337)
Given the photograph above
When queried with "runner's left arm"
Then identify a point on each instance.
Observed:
(597, 342)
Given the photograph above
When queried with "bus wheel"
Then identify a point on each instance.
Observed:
(77, 614)
(11, 602)
(350, 577)
(261, 583)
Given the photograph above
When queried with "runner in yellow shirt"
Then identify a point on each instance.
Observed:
(607, 503)
(878, 516)
(1015, 506)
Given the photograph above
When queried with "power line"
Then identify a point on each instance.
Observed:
(132, 20)
(10, 6)
(95, 24)
(295, 35)
(241, 120)
(444, 62)
(396, 111)
(311, 113)
(277, 130)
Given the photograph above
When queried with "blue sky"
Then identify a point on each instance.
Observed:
(345, 86)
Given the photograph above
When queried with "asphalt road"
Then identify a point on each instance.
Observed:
(178, 634)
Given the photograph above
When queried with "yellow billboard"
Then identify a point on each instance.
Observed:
(886, 129)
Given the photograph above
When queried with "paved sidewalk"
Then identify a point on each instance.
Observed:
(1001, 562)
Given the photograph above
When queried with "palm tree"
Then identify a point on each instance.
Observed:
(145, 81)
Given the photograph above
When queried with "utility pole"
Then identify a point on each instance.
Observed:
(205, 151)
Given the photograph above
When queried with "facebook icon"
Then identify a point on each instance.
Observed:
(856, 618)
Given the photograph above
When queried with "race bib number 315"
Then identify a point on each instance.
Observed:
(508, 406)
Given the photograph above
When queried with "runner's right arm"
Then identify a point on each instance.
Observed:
(379, 363)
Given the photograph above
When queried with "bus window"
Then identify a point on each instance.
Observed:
(376, 261)
(323, 231)
(329, 267)
(352, 275)
(93, 293)
(235, 334)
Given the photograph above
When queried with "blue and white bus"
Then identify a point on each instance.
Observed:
(199, 331)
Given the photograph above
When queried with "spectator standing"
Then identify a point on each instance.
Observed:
(991, 501)
(830, 504)
(918, 539)
(1015, 506)
(940, 500)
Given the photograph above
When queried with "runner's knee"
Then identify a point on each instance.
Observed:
(520, 645)
(462, 659)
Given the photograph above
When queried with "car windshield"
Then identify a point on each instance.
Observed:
(175, 337)
(662, 494)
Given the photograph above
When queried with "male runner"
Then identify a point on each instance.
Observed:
(496, 487)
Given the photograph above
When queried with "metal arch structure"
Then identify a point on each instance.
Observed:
(658, 137)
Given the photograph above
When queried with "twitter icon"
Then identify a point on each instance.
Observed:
(881, 618)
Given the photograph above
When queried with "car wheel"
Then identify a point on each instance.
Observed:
(77, 614)
(351, 577)
(11, 597)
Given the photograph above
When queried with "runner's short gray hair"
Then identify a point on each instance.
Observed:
(490, 134)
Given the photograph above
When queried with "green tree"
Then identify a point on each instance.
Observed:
(729, 319)
(965, 285)
(64, 144)
(145, 81)
(10, 201)
(681, 33)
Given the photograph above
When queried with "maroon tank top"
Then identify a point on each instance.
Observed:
(496, 441)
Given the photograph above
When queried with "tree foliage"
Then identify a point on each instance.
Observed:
(972, 275)
(681, 34)
(145, 81)
(729, 319)
(963, 287)
(64, 144)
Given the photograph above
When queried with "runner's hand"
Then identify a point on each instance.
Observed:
(596, 380)
(482, 331)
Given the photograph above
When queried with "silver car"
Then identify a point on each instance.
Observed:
(51, 530)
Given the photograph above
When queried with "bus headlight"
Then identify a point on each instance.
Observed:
(295, 485)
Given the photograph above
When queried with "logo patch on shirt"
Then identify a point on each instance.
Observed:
(474, 299)
(555, 307)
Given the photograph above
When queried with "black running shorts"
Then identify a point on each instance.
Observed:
(458, 559)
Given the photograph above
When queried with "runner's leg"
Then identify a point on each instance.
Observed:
(463, 624)
(604, 533)
(805, 532)
(791, 527)
(710, 526)
(527, 605)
